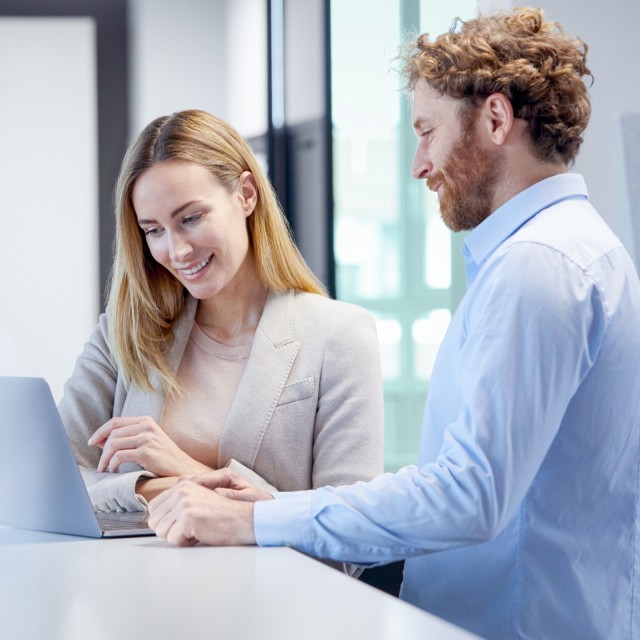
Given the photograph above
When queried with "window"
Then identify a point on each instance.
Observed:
(393, 254)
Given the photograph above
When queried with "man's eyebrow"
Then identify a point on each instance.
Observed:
(177, 211)
(420, 122)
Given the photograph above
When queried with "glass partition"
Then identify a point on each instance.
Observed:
(393, 254)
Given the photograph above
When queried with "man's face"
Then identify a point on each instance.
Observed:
(451, 158)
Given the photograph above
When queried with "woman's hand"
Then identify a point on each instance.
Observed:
(229, 484)
(139, 439)
(150, 488)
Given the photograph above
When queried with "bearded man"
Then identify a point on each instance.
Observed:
(520, 519)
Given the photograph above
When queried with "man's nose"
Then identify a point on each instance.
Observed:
(421, 165)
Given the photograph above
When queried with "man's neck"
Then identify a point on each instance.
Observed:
(522, 174)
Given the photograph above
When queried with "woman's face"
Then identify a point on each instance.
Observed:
(195, 227)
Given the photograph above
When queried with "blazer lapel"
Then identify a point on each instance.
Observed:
(272, 356)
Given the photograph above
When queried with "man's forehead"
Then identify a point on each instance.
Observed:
(430, 105)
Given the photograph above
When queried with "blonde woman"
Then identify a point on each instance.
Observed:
(219, 346)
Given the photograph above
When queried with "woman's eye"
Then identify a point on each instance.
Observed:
(192, 219)
(154, 232)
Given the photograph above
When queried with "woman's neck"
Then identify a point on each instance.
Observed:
(232, 316)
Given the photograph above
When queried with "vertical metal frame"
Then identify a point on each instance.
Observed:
(276, 132)
(328, 133)
(300, 154)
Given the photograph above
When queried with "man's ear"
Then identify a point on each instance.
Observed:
(248, 192)
(497, 117)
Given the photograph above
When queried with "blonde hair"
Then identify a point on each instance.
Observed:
(518, 54)
(144, 298)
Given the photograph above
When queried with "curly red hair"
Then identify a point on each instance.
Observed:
(521, 55)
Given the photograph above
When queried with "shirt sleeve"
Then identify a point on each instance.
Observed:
(523, 347)
(114, 491)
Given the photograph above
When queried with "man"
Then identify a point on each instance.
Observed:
(520, 519)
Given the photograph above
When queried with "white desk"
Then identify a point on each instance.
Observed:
(55, 587)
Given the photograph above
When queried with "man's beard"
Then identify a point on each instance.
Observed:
(466, 197)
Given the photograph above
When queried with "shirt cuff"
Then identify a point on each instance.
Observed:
(284, 521)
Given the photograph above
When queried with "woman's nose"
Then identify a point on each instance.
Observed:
(179, 247)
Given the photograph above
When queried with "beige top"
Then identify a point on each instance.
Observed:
(210, 373)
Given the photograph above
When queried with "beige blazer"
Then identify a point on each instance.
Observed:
(308, 411)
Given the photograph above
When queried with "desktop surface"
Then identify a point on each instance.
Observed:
(70, 588)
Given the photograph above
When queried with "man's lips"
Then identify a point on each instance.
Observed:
(434, 185)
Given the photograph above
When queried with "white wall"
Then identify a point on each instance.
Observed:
(175, 60)
(611, 32)
(48, 195)
(304, 102)
(245, 60)
(199, 54)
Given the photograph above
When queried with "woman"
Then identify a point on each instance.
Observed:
(219, 346)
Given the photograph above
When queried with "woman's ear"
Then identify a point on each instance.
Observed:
(248, 192)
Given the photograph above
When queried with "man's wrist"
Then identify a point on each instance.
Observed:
(284, 521)
(246, 526)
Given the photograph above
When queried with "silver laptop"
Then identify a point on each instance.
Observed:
(41, 487)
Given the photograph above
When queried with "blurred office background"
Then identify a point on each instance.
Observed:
(311, 84)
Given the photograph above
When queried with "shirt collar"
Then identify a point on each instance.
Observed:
(507, 219)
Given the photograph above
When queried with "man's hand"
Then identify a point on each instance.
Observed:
(190, 512)
(139, 439)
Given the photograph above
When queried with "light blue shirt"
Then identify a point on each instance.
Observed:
(520, 520)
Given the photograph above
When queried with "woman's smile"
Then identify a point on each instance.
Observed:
(194, 271)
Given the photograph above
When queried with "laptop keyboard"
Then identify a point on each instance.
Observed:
(116, 520)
